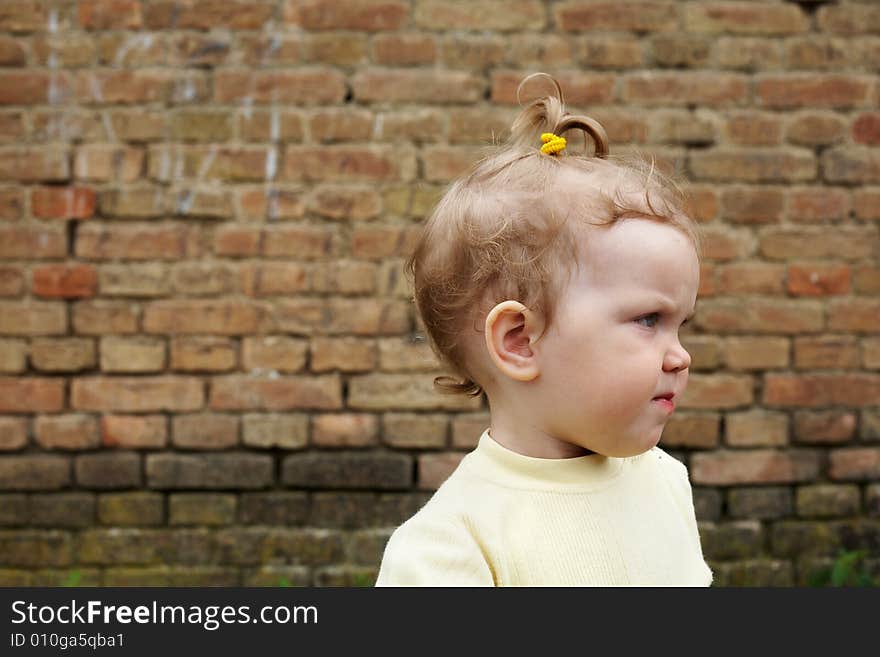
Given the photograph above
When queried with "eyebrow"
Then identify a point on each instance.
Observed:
(665, 301)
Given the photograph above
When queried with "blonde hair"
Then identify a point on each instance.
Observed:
(507, 229)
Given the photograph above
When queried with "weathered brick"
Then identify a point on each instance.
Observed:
(347, 576)
(756, 353)
(132, 280)
(800, 538)
(815, 128)
(807, 242)
(138, 242)
(599, 16)
(107, 470)
(753, 165)
(402, 392)
(773, 316)
(827, 501)
(275, 394)
(63, 202)
(230, 470)
(467, 429)
(754, 572)
(185, 316)
(818, 279)
(851, 165)
(204, 279)
(750, 128)
(13, 433)
(856, 463)
(756, 428)
(759, 466)
(120, 546)
(404, 49)
(273, 508)
(34, 472)
(751, 278)
(329, 49)
(316, 86)
(434, 469)
(731, 540)
(32, 164)
(717, 391)
(70, 432)
(348, 277)
(414, 430)
(284, 430)
(203, 354)
(204, 431)
(57, 510)
(821, 389)
(127, 355)
(29, 394)
(354, 163)
(345, 429)
(824, 427)
(278, 576)
(367, 546)
(132, 203)
(872, 500)
(11, 281)
(818, 204)
(14, 509)
(105, 317)
(303, 546)
(274, 353)
(870, 429)
(62, 354)
(13, 356)
(856, 314)
(32, 318)
(826, 352)
(138, 508)
(343, 354)
(366, 509)
(145, 393)
(695, 430)
(753, 204)
(760, 503)
(201, 509)
(134, 431)
(347, 470)
(745, 18)
(35, 548)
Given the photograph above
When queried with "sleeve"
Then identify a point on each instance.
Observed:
(685, 499)
(433, 552)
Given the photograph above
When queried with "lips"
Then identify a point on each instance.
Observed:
(666, 395)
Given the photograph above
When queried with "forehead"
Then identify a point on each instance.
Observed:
(639, 253)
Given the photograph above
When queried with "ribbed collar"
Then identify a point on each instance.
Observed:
(494, 462)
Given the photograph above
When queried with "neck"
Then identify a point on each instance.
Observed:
(531, 441)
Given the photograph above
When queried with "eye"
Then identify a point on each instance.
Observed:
(652, 318)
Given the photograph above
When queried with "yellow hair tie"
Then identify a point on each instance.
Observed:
(552, 143)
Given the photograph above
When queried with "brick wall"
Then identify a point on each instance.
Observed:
(210, 371)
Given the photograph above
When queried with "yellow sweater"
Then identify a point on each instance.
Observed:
(504, 519)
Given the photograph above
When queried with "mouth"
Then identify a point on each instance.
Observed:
(665, 402)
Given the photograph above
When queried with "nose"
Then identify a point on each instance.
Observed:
(676, 358)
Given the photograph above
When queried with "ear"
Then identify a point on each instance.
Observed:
(511, 333)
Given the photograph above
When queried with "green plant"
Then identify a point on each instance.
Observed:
(362, 579)
(283, 582)
(73, 578)
(849, 569)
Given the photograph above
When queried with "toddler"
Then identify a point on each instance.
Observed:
(557, 284)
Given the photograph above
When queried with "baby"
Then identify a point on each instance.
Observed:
(557, 284)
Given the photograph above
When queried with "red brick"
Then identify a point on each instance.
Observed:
(275, 394)
(204, 431)
(812, 90)
(24, 87)
(818, 204)
(644, 16)
(444, 163)
(353, 277)
(346, 203)
(752, 205)
(126, 87)
(32, 241)
(11, 203)
(31, 394)
(105, 317)
(208, 14)
(503, 16)
(32, 318)
(710, 89)
(405, 392)
(381, 241)
(748, 54)
(415, 430)
(12, 53)
(204, 279)
(349, 163)
(745, 18)
(866, 129)
(328, 48)
(857, 463)
(756, 352)
(803, 242)
(13, 433)
(110, 14)
(270, 204)
(65, 281)
(344, 354)
(345, 430)
(727, 243)
(821, 390)
(826, 352)
(137, 394)
(108, 162)
(63, 202)
(181, 316)
(138, 242)
(581, 89)
(206, 354)
(753, 165)
(818, 279)
(323, 86)
(434, 469)
(467, 428)
(369, 316)
(851, 165)
(849, 18)
(134, 431)
(62, 354)
(855, 315)
(753, 129)
(23, 16)
(416, 86)
(270, 125)
(760, 466)
(68, 432)
(867, 279)
(751, 278)
(824, 427)
(694, 430)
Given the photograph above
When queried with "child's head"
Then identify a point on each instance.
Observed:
(539, 276)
